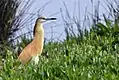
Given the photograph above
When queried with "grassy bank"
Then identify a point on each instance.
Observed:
(93, 58)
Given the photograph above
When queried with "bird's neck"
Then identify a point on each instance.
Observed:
(39, 32)
(39, 37)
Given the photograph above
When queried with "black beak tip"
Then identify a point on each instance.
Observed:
(50, 18)
(53, 18)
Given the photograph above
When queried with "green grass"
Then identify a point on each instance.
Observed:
(91, 59)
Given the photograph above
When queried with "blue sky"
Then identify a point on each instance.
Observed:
(55, 6)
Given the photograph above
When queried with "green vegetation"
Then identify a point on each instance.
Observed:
(96, 57)
(90, 55)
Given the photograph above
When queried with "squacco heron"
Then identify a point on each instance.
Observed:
(34, 49)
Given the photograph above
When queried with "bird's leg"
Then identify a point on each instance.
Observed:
(35, 59)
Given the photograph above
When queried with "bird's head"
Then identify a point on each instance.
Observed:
(38, 26)
(44, 19)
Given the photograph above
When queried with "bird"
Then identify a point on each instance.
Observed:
(34, 49)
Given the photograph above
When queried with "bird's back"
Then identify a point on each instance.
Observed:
(28, 52)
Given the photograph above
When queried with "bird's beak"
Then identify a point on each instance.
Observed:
(50, 18)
